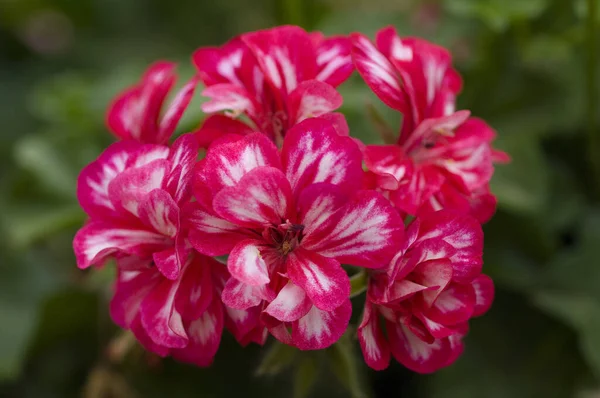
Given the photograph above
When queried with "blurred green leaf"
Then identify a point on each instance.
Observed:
(345, 365)
(305, 377)
(278, 357)
(497, 14)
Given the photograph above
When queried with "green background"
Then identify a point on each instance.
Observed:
(529, 68)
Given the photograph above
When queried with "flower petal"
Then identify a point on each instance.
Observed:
(182, 155)
(227, 161)
(312, 98)
(290, 304)
(373, 344)
(241, 296)
(262, 197)
(366, 232)
(320, 329)
(195, 291)
(216, 126)
(175, 111)
(314, 152)
(245, 263)
(97, 240)
(94, 179)
(484, 293)
(160, 319)
(130, 289)
(414, 353)
(128, 190)
(228, 97)
(334, 60)
(316, 204)
(378, 72)
(323, 279)
(285, 54)
(160, 212)
(210, 234)
(204, 335)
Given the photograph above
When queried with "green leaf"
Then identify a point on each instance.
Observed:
(305, 377)
(278, 357)
(583, 314)
(497, 14)
(358, 283)
(343, 360)
(522, 185)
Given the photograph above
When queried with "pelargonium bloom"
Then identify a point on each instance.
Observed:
(288, 221)
(132, 194)
(443, 158)
(426, 296)
(136, 113)
(275, 77)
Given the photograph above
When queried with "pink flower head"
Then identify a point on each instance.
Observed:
(136, 113)
(132, 194)
(275, 77)
(288, 221)
(441, 153)
(426, 296)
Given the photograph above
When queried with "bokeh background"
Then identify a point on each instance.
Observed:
(530, 69)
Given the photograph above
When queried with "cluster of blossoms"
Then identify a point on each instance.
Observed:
(282, 192)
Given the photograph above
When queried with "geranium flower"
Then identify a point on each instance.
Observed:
(439, 149)
(132, 194)
(136, 113)
(288, 221)
(275, 77)
(426, 296)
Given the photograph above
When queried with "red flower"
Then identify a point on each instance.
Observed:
(288, 221)
(132, 194)
(440, 154)
(426, 296)
(136, 113)
(276, 77)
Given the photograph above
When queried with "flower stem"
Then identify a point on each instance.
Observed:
(358, 283)
(592, 86)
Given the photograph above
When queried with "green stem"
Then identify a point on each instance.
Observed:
(592, 86)
(358, 283)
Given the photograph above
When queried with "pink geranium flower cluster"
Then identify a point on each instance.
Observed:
(294, 202)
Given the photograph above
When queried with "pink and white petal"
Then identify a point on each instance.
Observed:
(401, 290)
(414, 353)
(241, 296)
(388, 160)
(378, 72)
(316, 204)
(228, 97)
(160, 318)
(204, 335)
(323, 279)
(435, 274)
(291, 304)
(285, 54)
(160, 212)
(320, 329)
(313, 152)
(462, 232)
(125, 113)
(454, 305)
(168, 262)
(366, 232)
(220, 64)
(147, 153)
(374, 346)
(210, 234)
(436, 329)
(142, 337)
(176, 110)
(216, 126)
(312, 98)
(94, 179)
(246, 264)
(128, 190)
(196, 289)
(183, 154)
(241, 323)
(131, 288)
(334, 60)
(417, 186)
(96, 241)
(339, 122)
(228, 160)
(484, 293)
(262, 197)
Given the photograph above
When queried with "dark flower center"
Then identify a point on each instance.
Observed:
(284, 237)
